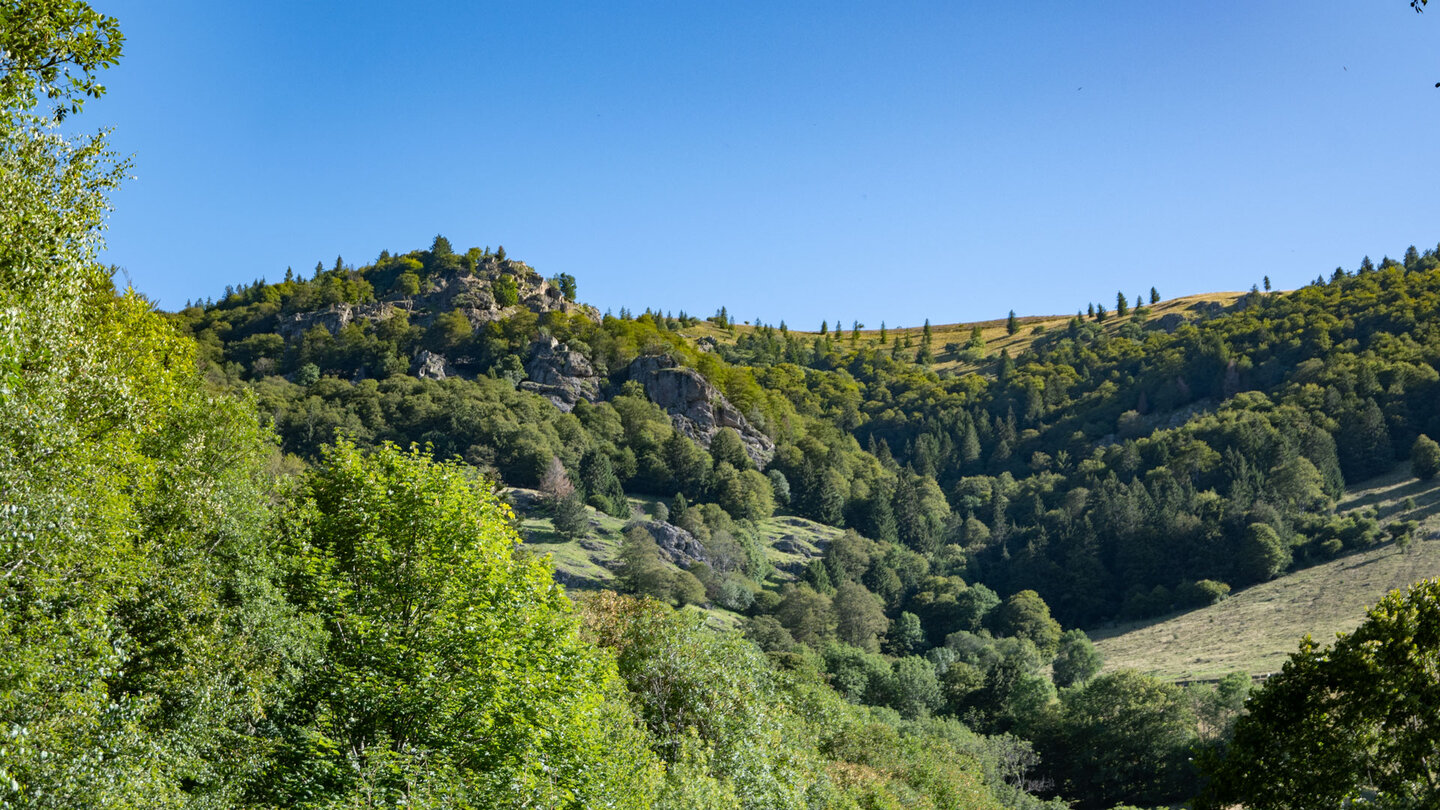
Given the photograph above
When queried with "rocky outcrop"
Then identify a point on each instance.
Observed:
(471, 294)
(679, 546)
(335, 317)
(696, 407)
(798, 543)
(432, 366)
(563, 376)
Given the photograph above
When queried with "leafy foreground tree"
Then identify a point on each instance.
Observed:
(139, 630)
(454, 672)
(711, 707)
(1358, 719)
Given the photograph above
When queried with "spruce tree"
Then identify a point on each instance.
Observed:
(977, 339)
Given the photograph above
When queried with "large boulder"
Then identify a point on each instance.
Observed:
(432, 366)
(677, 545)
(563, 376)
(696, 407)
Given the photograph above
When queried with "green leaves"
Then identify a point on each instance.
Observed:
(53, 49)
(444, 648)
(1359, 718)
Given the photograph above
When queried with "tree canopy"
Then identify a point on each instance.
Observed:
(1360, 718)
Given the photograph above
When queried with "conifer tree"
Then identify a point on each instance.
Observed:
(1012, 324)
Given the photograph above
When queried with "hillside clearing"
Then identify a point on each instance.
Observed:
(994, 333)
(1257, 629)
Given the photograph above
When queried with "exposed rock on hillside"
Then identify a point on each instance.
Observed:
(472, 294)
(563, 376)
(679, 546)
(695, 406)
(334, 317)
(429, 365)
(798, 543)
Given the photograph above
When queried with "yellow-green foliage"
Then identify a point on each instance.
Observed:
(138, 631)
(451, 660)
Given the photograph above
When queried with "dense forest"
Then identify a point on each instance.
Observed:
(259, 552)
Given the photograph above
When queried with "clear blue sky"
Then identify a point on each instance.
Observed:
(798, 160)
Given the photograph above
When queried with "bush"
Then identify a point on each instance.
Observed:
(1425, 458)
(1202, 593)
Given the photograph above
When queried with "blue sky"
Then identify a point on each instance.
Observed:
(804, 160)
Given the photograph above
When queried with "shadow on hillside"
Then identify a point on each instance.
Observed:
(1361, 564)
(1391, 489)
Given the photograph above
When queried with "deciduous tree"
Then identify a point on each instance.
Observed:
(1360, 718)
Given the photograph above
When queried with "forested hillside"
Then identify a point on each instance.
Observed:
(192, 620)
(259, 552)
(1122, 466)
(1118, 468)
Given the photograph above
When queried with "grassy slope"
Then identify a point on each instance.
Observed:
(790, 542)
(992, 331)
(1256, 629)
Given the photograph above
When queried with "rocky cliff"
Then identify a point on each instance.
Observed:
(696, 407)
(563, 376)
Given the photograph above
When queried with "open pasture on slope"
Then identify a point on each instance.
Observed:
(994, 334)
(1257, 629)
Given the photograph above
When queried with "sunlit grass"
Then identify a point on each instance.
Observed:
(1257, 629)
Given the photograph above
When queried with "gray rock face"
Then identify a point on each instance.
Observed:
(335, 317)
(429, 365)
(560, 375)
(678, 546)
(471, 294)
(696, 407)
